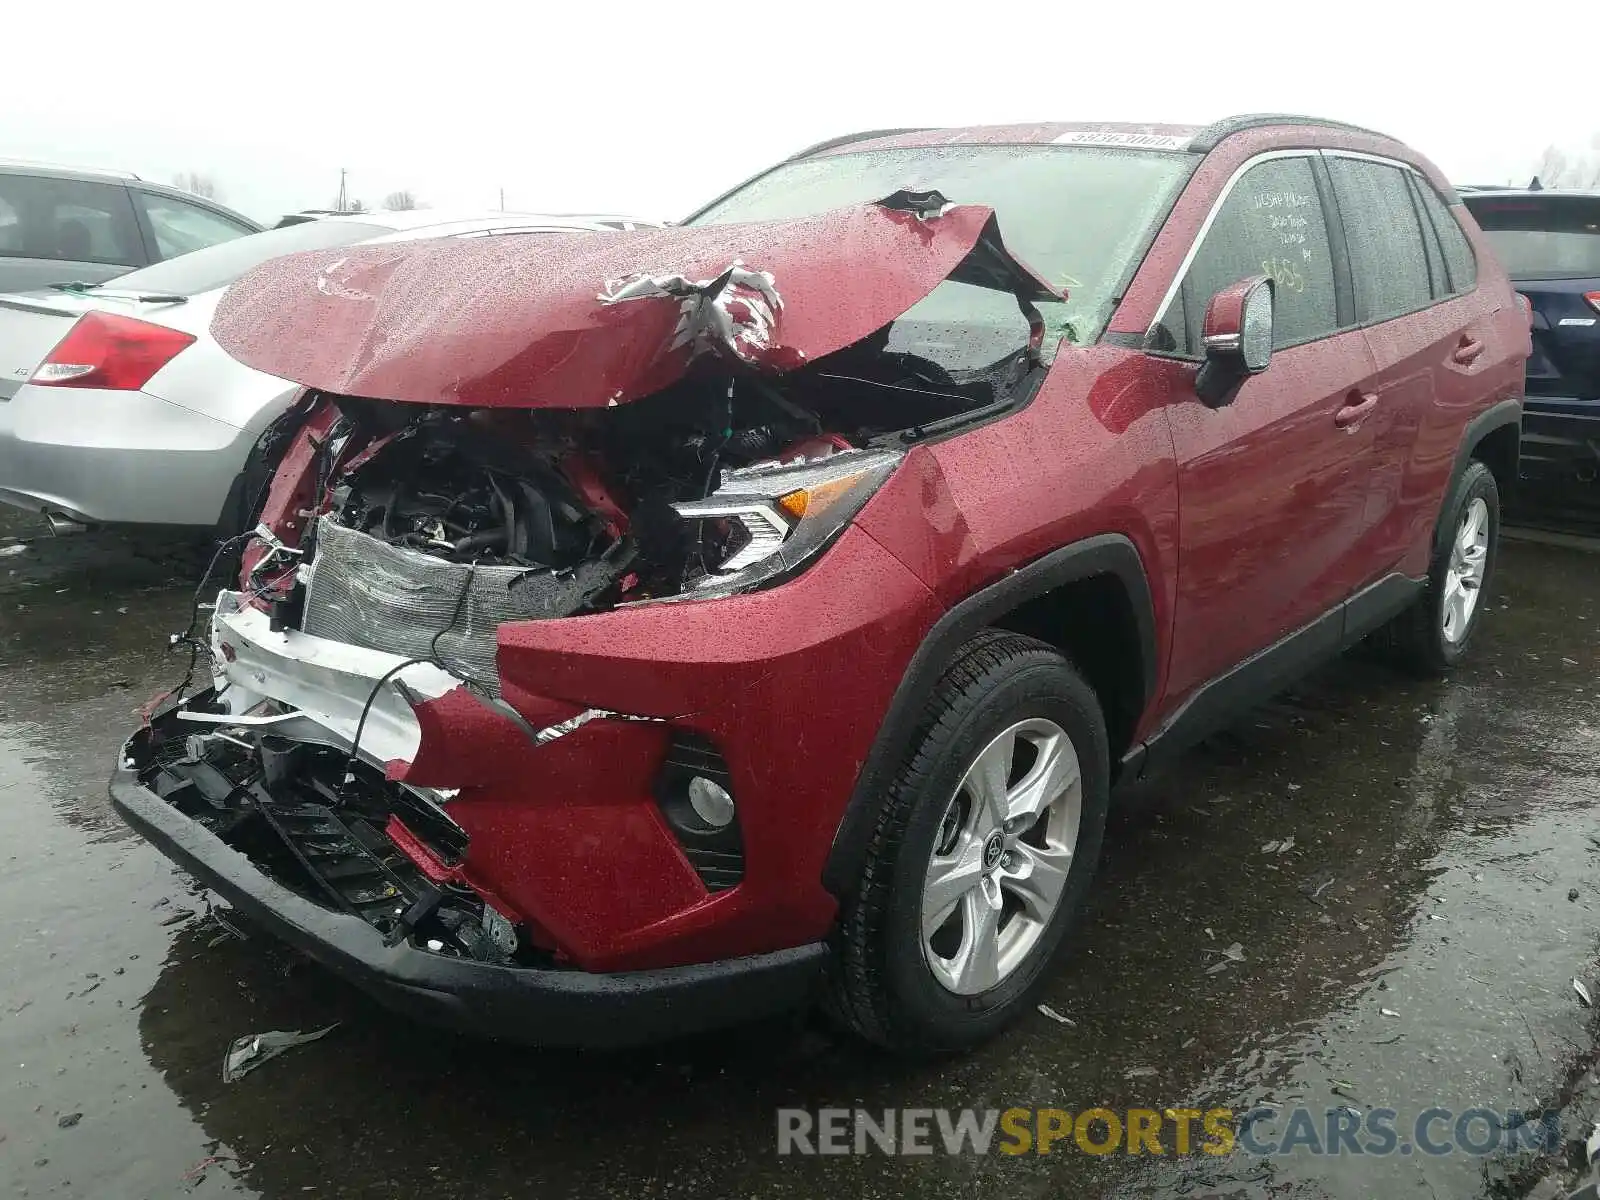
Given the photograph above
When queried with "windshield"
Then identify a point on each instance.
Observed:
(219, 265)
(1556, 237)
(1081, 217)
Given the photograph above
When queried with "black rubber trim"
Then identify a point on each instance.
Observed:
(520, 1004)
(1103, 554)
(1498, 416)
(1218, 703)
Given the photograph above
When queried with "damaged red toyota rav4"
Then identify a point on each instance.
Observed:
(649, 630)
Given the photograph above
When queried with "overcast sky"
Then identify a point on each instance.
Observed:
(651, 109)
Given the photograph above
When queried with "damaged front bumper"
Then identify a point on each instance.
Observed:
(398, 963)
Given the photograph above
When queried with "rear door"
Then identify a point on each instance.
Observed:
(1273, 488)
(55, 229)
(1432, 338)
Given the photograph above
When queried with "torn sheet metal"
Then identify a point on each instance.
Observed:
(736, 313)
(519, 321)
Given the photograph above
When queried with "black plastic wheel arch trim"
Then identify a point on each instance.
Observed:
(1104, 554)
(1497, 416)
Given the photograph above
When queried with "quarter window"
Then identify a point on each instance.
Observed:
(181, 227)
(1459, 259)
(1270, 224)
(1388, 262)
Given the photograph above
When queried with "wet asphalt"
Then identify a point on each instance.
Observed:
(1416, 946)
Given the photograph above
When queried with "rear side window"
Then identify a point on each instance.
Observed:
(1270, 224)
(67, 220)
(1388, 264)
(1543, 237)
(1460, 263)
(181, 227)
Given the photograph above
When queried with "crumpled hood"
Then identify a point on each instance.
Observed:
(584, 320)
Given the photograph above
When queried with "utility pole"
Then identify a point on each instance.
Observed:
(342, 204)
(502, 199)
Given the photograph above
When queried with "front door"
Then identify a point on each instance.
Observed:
(1272, 490)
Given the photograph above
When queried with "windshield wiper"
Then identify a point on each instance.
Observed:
(145, 297)
(100, 289)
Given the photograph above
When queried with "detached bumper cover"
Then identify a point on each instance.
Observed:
(536, 1006)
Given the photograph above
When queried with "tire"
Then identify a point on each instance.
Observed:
(1421, 639)
(889, 982)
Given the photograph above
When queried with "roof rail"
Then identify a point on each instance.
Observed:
(846, 139)
(1213, 133)
(66, 168)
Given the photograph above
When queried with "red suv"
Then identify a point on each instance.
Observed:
(651, 629)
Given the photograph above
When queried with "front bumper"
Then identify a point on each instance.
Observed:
(552, 1007)
(97, 456)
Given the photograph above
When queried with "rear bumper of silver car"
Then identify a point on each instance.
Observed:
(101, 457)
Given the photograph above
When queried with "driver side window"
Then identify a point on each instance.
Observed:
(1270, 224)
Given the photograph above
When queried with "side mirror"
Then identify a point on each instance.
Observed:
(1237, 336)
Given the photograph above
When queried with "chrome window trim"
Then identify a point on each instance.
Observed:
(1227, 189)
(1205, 226)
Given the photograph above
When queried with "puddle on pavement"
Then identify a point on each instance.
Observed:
(1438, 829)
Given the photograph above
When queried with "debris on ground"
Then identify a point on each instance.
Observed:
(1276, 847)
(1234, 953)
(68, 1120)
(195, 1172)
(13, 549)
(1572, 894)
(249, 1052)
(1583, 993)
(1140, 1073)
(1387, 1012)
(1058, 1018)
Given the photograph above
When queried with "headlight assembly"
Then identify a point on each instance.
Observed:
(783, 515)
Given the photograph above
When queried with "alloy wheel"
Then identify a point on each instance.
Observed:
(1001, 856)
(1463, 579)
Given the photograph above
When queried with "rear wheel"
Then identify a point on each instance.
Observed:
(982, 853)
(1433, 635)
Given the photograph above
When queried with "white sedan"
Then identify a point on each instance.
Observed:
(117, 407)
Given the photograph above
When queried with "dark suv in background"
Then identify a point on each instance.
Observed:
(1549, 243)
(60, 225)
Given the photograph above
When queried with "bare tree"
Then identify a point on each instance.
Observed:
(1558, 168)
(402, 201)
(197, 184)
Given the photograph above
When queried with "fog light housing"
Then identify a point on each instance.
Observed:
(695, 793)
(711, 802)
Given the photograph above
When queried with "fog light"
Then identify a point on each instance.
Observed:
(710, 801)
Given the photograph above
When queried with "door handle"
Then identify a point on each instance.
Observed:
(1354, 412)
(1467, 351)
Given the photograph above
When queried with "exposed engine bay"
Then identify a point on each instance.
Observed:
(437, 524)
(679, 438)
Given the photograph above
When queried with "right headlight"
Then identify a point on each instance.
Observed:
(784, 515)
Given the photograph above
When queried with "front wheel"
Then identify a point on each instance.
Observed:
(982, 854)
(1433, 635)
